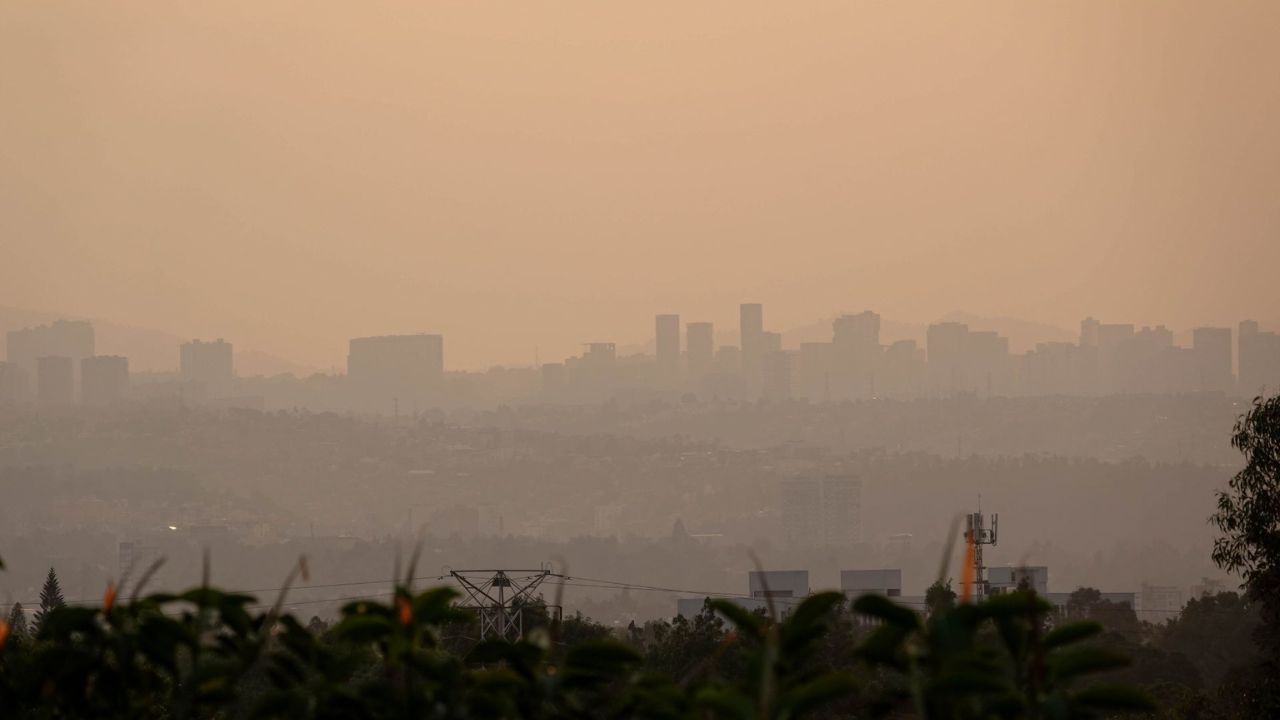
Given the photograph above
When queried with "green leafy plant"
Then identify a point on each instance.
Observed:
(992, 660)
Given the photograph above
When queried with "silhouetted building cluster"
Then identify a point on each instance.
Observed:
(956, 360)
(55, 366)
(45, 359)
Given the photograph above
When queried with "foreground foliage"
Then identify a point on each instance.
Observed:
(205, 653)
(1248, 518)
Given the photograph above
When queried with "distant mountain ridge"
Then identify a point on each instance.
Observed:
(148, 350)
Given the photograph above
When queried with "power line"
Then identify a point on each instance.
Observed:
(565, 581)
(246, 591)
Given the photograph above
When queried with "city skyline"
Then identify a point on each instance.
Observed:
(639, 338)
(548, 176)
(408, 373)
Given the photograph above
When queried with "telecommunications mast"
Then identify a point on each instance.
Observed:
(977, 534)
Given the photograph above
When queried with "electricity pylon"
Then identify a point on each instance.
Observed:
(500, 598)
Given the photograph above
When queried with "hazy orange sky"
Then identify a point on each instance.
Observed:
(537, 174)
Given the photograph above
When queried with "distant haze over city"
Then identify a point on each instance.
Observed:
(818, 360)
(153, 350)
(522, 182)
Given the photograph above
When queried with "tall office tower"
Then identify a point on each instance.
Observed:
(65, 338)
(667, 332)
(552, 378)
(1089, 332)
(390, 373)
(825, 511)
(729, 359)
(861, 331)
(699, 348)
(856, 339)
(811, 371)
(207, 363)
(1086, 379)
(1051, 369)
(904, 370)
(988, 369)
(104, 379)
(1259, 360)
(945, 345)
(775, 375)
(1112, 337)
(55, 380)
(1212, 348)
(1141, 361)
(770, 342)
(750, 331)
(601, 356)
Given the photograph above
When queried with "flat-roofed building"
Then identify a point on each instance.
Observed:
(1007, 578)
(778, 583)
(104, 379)
(887, 582)
(394, 372)
(55, 380)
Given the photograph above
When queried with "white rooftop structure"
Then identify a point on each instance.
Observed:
(1008, 578)
(887, 582)
(778, 583)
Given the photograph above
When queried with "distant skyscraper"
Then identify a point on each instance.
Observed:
(1053, 368)
(1259, 360)
(1111, 339)
(770, 342)
(729, 358)
(600, 356)
(1140, 362)
(392, 372)
(812, 371)
(856, 343)
(775, 375)
(987, 368)
(945, 345)
(860, 331)
(552, 378)
(14, 383)
(104, 379)
(667, 332)
(904, 369)
(1089, 332)
(751, 332)
(208, 363)
(1212, 348)
(55, 380)
(699, 348)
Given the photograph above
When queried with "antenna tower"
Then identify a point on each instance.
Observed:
(977, 534)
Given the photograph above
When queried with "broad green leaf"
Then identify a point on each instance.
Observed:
(1071, 633)
(745, 620)
(360, 629)
(1069, 663)
(882, 608)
